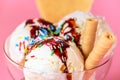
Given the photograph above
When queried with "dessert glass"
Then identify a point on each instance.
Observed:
(19, 72)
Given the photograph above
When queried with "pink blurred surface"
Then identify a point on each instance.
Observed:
(13, 12)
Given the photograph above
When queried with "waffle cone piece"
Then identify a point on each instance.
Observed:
(54, 10)
(89, 36)
(104, 43)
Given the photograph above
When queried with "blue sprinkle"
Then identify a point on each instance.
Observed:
(45, 31)
(67, 36)
(52, 27)
(60, 41)
(62, 44)
(58, 31)
(32, 41)
(16, 45)
(26, 38)
(41, 37)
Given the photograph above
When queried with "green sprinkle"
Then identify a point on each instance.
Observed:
(40, 46)
(44, 37)
(62, 24)
(73, 39)
(61, 49)
(57, 32)
(52, 52)
(51, 31)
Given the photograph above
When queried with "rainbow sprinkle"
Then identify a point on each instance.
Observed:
(32, 41)
(61, 49)
(26, 38)
(26, 50)
(32, 56)
(57, 31)
(73, 39)
(62, 24)
(29, 27)
(52, 52)
(40, 46)
(19, 37)
(51, 31)
(16, 45)
(41, 37)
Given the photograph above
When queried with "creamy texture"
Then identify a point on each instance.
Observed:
(24, 37)
(40, 60)
(17, 39)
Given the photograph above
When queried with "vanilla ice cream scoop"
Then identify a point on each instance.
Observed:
(72, 26)
(55, 55)
(27, 34)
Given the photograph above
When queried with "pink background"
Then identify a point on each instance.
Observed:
(13, 12)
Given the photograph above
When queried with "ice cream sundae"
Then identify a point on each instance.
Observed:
(76, 43)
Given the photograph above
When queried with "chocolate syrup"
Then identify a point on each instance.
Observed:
(69, 76)
(72, 25)
(34, 31)
(44, 22)
(29, 21)
(45, 27)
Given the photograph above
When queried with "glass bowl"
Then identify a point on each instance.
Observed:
(18, 72)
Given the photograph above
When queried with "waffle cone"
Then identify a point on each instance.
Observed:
(89, 36)
(88, 74)
(101, 47)
(54, 10)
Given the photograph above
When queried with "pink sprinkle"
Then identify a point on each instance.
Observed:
(32, 56)
(20, 46)
(24, 44)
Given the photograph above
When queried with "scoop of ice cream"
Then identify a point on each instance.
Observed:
(54, 55)
(26, 35)
(42, 59)
(72, 26)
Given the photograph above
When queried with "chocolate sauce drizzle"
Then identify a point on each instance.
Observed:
(69, 35)
(29, 21)
(34, 32)
(46, 28)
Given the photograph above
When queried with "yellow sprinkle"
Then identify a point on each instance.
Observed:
(34, 48)
(72, 69)
(26, 50)
(35, 58)
(20, 37)
(29, 27)
(41, 58)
